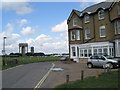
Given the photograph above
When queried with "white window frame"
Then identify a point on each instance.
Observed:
(77, 34)
(72, 35)
(118, 26)
(74, 21)
(100, 30)
(87, 33)
(86, 18)
(101, 14)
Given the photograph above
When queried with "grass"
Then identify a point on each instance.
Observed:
(26, 60)
(107, 80)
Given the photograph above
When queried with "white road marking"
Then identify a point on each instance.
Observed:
(43, 79)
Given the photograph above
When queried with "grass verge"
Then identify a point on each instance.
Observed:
(27, 60)
(107, 80)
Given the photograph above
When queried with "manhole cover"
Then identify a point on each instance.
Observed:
(56, 69)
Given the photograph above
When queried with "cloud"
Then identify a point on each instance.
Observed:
(20, 8)
(47, 44)
(83, 5)
(10, 40)
(62, 27)
(9, 27)
(23, 22)
(28, 31)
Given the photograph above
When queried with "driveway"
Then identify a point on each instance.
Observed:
(73, 70)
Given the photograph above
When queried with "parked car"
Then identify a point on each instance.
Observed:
(102, 61)
(64, 58)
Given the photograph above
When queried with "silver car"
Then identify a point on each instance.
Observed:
(102, 61)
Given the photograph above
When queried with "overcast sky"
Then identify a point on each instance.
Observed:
(42, 25)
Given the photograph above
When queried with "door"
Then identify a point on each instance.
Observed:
(101, 61)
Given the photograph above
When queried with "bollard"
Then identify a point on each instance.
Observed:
(67, 78)
(97, 73)
(82, 74)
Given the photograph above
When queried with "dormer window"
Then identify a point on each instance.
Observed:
(74, 21)
(86, 18)
(101, 14)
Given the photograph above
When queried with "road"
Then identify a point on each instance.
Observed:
(31, 75)
(26, 76)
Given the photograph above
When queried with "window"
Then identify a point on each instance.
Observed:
(102, 31)
(74, 21)
(118, 9)
(99, 51)
(81, 52)
(105, 51)
(85, 53)
(86, 18)
(87, 34)
(111, 51)
(89, 52)
(72, 35)
(118, 26)
(94, 57)
(73, 51)
(95, 51)
(101, 14)
(77, 34)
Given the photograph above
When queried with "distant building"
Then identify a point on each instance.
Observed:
(32, 50)
(95, 31)
(23, 48)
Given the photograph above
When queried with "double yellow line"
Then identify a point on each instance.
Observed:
(43, 79)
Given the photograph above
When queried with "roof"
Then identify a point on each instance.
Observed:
(76, 12)
(92, 9)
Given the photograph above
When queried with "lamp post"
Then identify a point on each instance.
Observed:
(4, 50)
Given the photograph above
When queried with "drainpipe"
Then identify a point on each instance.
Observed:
(94, 27)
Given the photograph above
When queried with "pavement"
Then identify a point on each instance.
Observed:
(39, 74)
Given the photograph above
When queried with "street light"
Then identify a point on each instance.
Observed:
(4, 45)
(4, 50)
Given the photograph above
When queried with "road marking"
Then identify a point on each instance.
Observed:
(43, 79)
(12, 67)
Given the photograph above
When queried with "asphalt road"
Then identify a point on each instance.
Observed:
(26, 76)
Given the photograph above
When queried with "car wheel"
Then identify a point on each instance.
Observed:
(111, 65)
(89, 65)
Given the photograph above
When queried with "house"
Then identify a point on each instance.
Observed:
(95, 31)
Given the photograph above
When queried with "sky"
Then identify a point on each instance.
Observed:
(42, 25)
